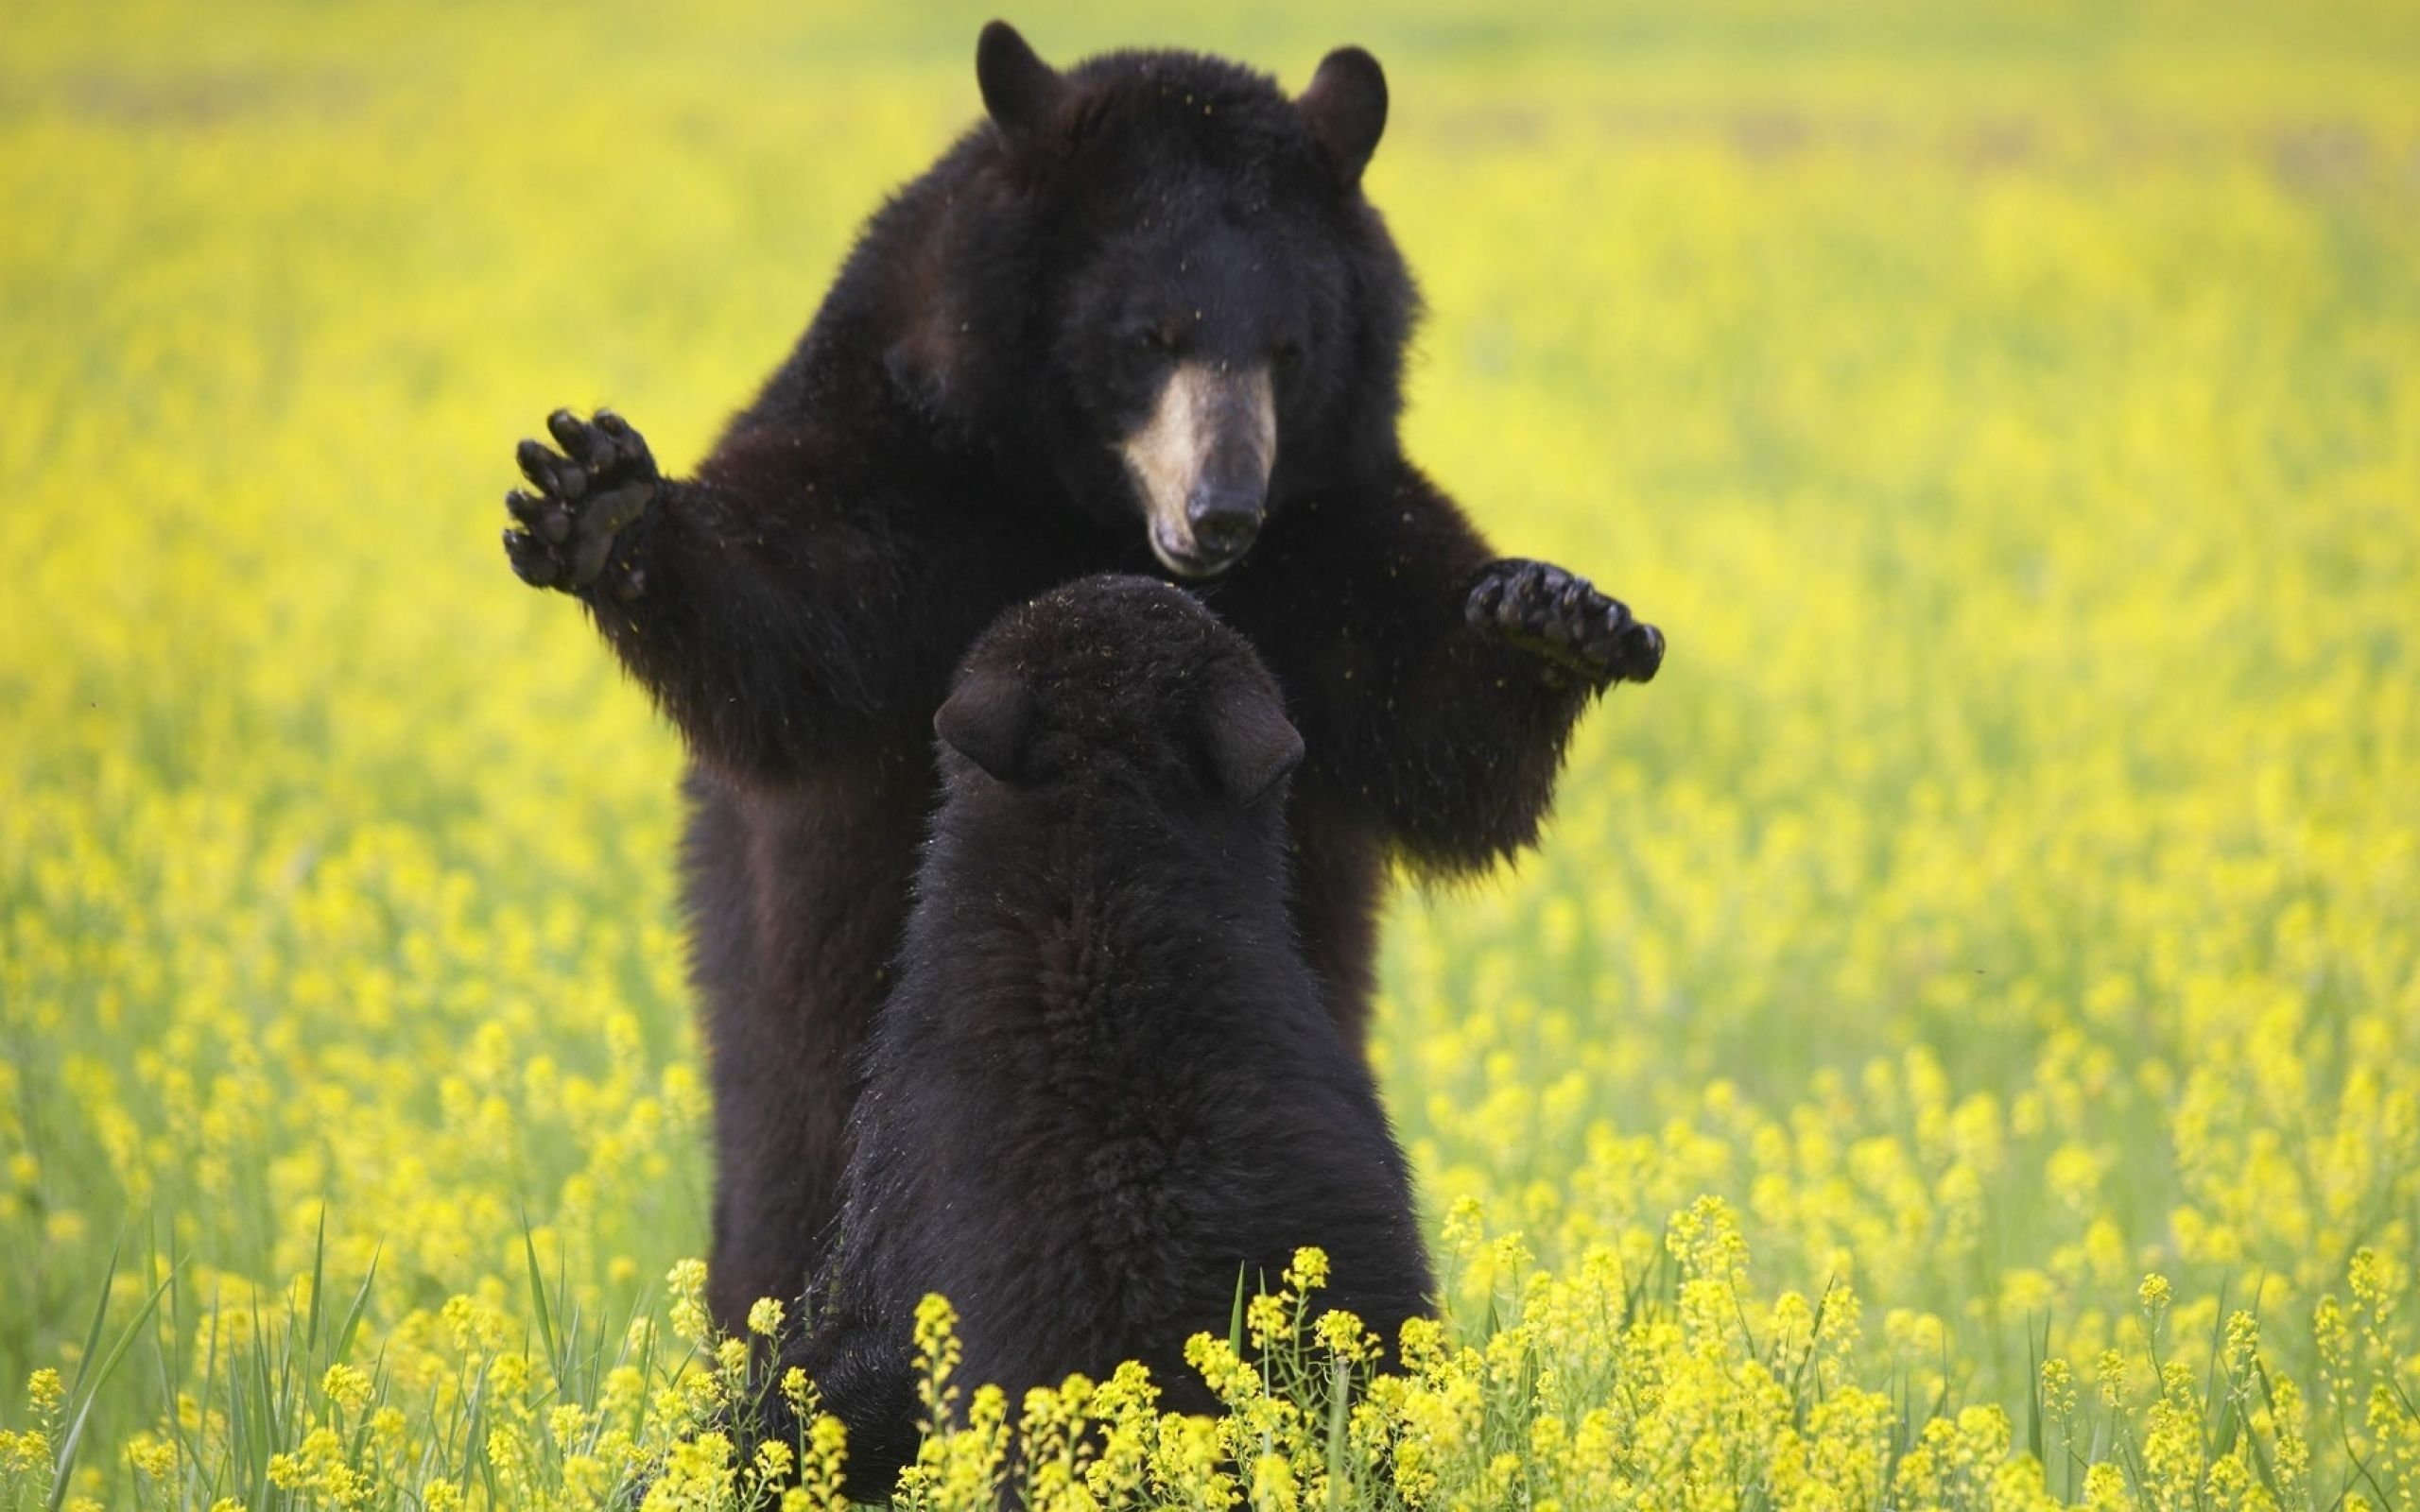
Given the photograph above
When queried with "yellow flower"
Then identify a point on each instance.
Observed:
(936, 1327)
(765, 1317)
(1264, 1318)
(731, 1359)
(154, 1457)
(2111, 1372)
(798, 1391)
(568, 1425)
(774, 1460)
(20, 1451)
(1272, 1484)
(346, 1385)
(686, 1281)
(1341, 1335)
(2058, 1389)
(43, 1392)
(2153, 1295)
(2242, 1341)
(1308, 1272)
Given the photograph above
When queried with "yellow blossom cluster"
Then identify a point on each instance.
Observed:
(1957, 1044)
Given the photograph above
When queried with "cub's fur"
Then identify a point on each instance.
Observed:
(1107, 1081)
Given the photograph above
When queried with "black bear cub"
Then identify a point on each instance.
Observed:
(1106, 1079)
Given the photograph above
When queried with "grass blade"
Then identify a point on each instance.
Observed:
(1338, 1414)
(1236, 1316)
(352, 1324)
(66, 1460)
(538, 1297)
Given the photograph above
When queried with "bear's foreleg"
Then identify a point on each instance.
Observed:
(1435, 684)
(770, 623)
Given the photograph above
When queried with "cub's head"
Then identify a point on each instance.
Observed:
(1124, 687)
(1206, 317)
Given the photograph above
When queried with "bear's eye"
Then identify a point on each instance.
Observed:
(1161, 336)
(1286, 356)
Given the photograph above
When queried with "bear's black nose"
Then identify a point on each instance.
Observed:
(1224, 520)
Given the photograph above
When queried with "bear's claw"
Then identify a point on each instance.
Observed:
(598, 486)
(1561, 618)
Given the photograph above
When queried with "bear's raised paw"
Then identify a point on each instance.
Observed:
(1561, 618)
(587, 494)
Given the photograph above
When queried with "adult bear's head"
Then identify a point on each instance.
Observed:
(1156, 274)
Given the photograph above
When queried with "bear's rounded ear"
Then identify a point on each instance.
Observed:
(1019, 89)
(989, 720)
(1251, 744)
(1346, 107)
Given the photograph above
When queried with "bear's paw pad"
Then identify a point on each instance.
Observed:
(591, 486)
(1561, 618)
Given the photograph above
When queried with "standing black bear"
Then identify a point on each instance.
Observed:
(1106, 1078)
(1141, 319)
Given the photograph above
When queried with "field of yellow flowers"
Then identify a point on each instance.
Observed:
(1960, 1045)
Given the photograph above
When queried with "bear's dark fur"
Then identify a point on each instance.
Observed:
(1140, 320)
(1106, 1081)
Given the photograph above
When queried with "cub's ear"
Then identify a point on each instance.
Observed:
(989, 720)
(1346, 107)
(1019, 89)
(1251, 746)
